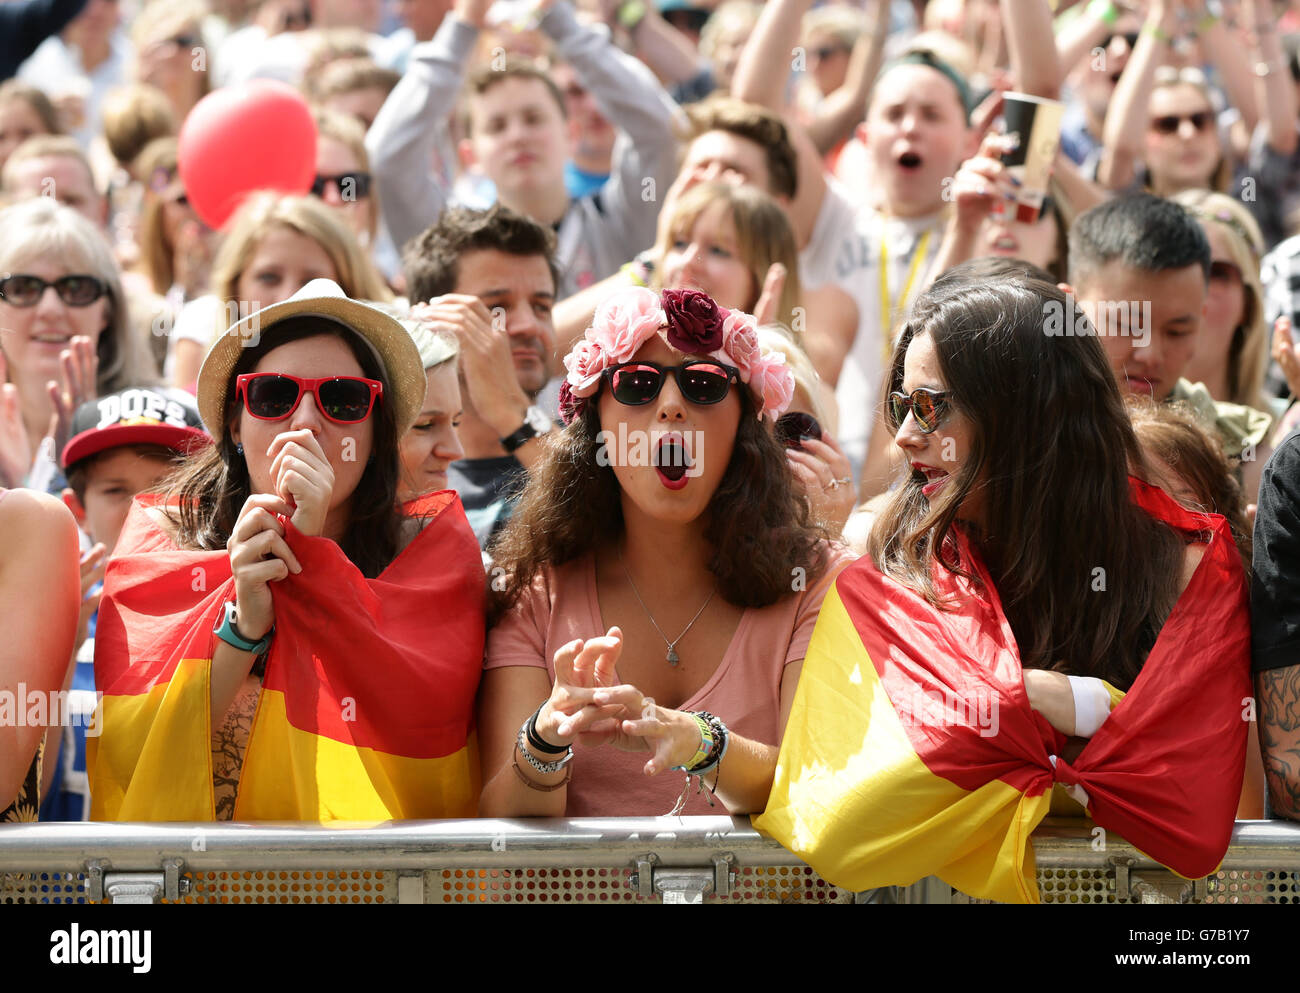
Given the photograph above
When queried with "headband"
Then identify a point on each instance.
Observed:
(924, 57)
(688, 321)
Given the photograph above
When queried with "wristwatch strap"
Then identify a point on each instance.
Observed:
(225, 630)
(512, 442)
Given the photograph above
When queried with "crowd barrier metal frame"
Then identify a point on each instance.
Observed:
(602, 860)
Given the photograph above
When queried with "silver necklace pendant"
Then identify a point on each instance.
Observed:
(672, 656)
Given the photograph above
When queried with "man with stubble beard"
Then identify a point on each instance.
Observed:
(489, 278)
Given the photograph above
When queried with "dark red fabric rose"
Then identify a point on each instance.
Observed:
(571, 407)
(694, 321)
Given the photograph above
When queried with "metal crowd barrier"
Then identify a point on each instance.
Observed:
(596, 860)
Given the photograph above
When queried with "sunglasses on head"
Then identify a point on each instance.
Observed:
(350, 185)
(273, 396)
(75, 291)
(701, 381)
(927, 407)
(795, 427)
(1224, 271)
(1170, 123)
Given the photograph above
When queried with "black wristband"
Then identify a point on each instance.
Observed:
(536, 741)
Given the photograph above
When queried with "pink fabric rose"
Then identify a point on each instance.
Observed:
(739, 343)
(773, 382)
(585, 362)
(624, 322)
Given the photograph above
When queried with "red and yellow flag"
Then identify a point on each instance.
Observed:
(911, 748)
(366, 709)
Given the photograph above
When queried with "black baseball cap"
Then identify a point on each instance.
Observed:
(134, 416)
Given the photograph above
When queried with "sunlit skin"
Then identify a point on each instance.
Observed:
(60, 176)
(112, 481)
(282, 264)
(1187, 158)
(916, 136)
(431, 444)
(939, 455)
(1013, 239)
(709, 431)
(726, 157)
(33, 337)
(520, 287)
(828, 73)
(1225, 308)
(519, 136)
(1177, 299)
(18, 122)
(346, 446)
(707, 258)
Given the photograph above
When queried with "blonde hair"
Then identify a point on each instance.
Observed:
(156, 251)
(1248, 355)
(306, 216)
(763, 236)
(845, 24)
(133, 117)
(738, 15)
(158, 20)
(41, 228)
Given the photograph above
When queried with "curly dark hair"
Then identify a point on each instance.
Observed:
(211, 487)
(758, 525)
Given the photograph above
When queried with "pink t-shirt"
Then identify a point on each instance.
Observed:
(744, 691)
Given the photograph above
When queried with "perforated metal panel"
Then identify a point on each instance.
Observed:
(1076, 886)
(42, 887)
(1235, 886)
(753, 884)
(302, 886)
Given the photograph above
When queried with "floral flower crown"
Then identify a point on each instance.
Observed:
(690, 322)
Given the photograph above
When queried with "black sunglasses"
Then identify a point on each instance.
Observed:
(75, 291)
(823, 52)
(927, 407)
(350, 185)
(1129, 36)
(701, 381)
(795, 427)
(1170, 123)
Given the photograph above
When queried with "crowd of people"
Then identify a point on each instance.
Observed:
(659, 406)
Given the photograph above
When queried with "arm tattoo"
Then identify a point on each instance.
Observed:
(1278, 691)
(228, 745)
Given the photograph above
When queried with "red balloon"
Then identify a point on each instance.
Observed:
(255, 136)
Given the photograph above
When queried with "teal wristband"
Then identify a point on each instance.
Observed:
(227, 632)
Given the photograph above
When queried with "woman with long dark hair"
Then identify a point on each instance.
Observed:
(294, 614)
(1029, 614)
(658, 580)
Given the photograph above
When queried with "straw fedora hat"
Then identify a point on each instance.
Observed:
(387, 338)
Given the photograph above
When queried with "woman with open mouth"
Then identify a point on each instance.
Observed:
(659, 579)
(1034, 626)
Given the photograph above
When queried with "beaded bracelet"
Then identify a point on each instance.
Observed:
(705, 749)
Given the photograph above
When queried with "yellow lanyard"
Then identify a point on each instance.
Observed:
(887, 313)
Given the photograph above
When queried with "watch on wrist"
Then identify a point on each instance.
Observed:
(535, 423)
(225, 630)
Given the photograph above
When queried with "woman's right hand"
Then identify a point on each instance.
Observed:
(581, 668)
(259, 556)
(1285, 352)
(982, 182)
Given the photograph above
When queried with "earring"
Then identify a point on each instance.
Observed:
(239, 447)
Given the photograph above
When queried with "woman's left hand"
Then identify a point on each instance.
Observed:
(827, 478)
(303, 478)
(1050, 694)
(672, 735)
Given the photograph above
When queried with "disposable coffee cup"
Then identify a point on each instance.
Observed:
(1037, 123)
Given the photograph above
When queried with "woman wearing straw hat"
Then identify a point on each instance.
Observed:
(278, 667)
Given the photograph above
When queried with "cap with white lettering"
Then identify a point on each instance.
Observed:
(138, 415)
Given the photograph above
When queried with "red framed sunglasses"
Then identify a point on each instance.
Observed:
(273, 396)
